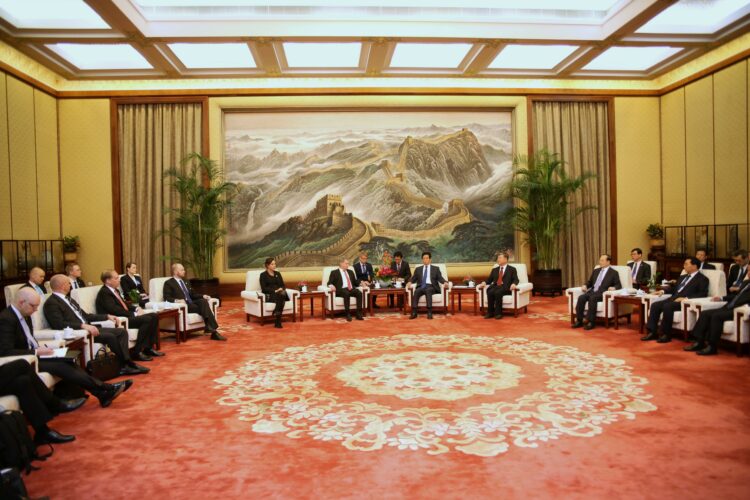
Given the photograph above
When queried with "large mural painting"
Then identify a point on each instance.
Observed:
(318, 186)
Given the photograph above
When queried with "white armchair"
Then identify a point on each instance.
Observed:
(684, 319)
(188, 322)
(10, 292)
(335, 303)
(255, 300)
(604, 309)
(519, 298)
(439, 300)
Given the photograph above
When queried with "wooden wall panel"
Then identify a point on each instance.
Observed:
(6, 225)
(673, 157)
(699, 152)
(48, 179)
(730, 122)
(23, 180)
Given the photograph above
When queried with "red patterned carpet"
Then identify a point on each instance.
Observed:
(456, 407)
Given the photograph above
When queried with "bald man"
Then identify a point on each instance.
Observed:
(36, 281)
(177, 290)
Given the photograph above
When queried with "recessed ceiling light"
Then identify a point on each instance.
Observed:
(322, 55)
(214, 55)
(429, 55)
(51, 14)
(696, 16)
(101, 56)
(531, 56)
(630, 58)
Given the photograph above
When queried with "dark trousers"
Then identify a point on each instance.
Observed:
(202, 307)
(278, 299)
(73, 374)
(710, 325)
(117, 341)
(428, 291)
(148, 331)
(592, 299)
(347, 295)
(495, 296)
(19, 379)
(665, 309)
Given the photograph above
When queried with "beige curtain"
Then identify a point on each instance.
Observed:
(152, 138)
(578, 132)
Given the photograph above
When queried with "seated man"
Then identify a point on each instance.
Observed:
(364, 272)
(131, 280)
(62, 312)
(73, 271)
(403, 272)
(426, 281)
(177, 290)
(602, 279)
(710, 325)
(39, 405)
(36, 281)
(344, 282)
(503, 279)
(738, 272)
(691, 285)
(110, 302)
(702, 257)
(640, 270)
(17, 338)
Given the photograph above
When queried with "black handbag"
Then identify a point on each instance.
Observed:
(105, 364)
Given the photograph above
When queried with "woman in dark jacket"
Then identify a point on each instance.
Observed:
(272, 285)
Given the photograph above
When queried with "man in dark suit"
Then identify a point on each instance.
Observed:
(702, 257)
(39, 405)
(737, 272)
(177, 290)
(109, 301)
(710, 325)
(73, 271)
(403, 272)
(131, 280)
(502, 281)
(344, 282)
(36, 281)
(62, 312)
(426, 281)
(365, 273)
(17, 338)
(640, 271)
(603, 278)
(691, 285)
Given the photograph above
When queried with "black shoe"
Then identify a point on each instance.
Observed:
(110, 394)
(708, 351)
(650, 336)
(348, 317)
(664, 339)
(359, 317)
(217, 336)
(376, 306)
(695, 346)
(277, 324)
(125, 384)
(589, 326)
(578, 324)
(413, 316)
(140, 368)
(142, 356)
(153, 352)
(498, 316)
(429, 315)
(68, 405)
(130, 370)
(51, 436)
(489, 316)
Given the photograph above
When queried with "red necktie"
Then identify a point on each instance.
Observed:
(119, 299)
(500, 277)
(346, 280)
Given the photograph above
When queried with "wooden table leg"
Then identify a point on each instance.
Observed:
(615, 309)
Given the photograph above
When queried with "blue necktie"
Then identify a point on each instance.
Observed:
(424, 276)
(185, 292)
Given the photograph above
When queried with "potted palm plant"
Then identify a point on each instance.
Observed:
(196, 223)
(543, 190)
(656, 233)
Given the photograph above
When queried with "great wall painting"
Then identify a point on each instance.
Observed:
(318, 186)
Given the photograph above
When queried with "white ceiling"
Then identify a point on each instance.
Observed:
(635, 39)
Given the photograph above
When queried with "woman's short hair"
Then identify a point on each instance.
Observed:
(268, 261)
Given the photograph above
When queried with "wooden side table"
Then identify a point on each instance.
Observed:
(174, 314)
(459, 292)
(312, 295)
(633, 300)
(388, 292)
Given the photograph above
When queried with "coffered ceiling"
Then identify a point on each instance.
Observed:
(148, 39)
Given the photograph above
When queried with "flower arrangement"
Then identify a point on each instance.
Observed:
(385, 273)
(302, 286)
(134, 296)
(468, 279)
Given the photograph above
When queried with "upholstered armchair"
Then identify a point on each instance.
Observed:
(10, 292)
(604, 309)
(439, 300)
(519, 298)
(334, 303)
(188, 322)
(255, 300)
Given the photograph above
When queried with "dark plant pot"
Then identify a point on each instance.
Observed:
(548, 281)
(206, 287)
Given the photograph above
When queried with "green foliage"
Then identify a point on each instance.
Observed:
(543, 190)
(655, 231)
(71, 243)
(197, 223)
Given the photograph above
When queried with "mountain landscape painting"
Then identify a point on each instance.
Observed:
(319, 186)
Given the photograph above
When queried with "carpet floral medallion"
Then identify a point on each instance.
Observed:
(437, 393)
